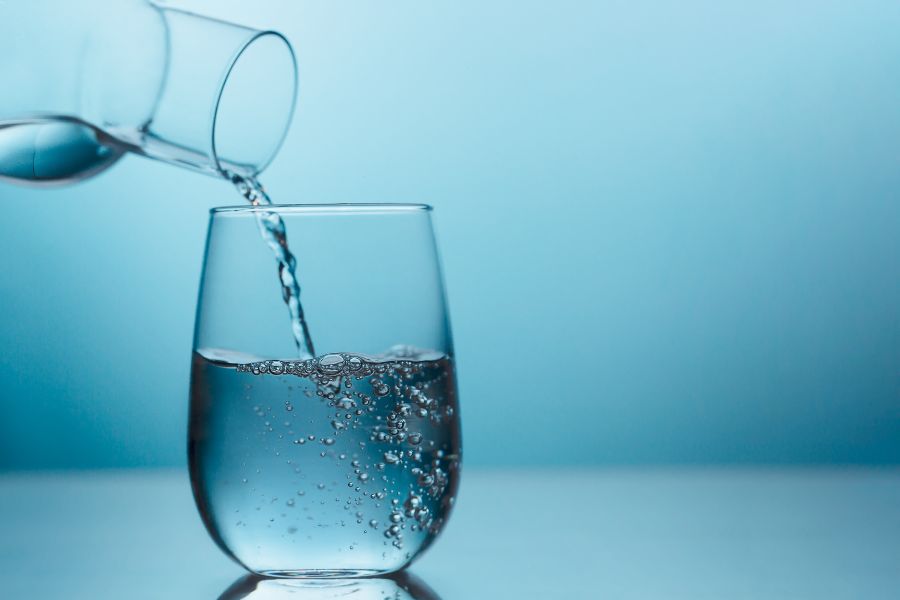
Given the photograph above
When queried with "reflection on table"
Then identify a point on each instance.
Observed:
(399, 586)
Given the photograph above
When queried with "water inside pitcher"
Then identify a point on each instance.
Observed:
(163, 83)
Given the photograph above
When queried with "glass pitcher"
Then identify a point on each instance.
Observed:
(85, 82)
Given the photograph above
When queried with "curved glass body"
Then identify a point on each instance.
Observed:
(347, 463)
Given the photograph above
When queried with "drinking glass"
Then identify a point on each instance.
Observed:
(347, 463)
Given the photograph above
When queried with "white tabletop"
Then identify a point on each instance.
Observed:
(618, 533)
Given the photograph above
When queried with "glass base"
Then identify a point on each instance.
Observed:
(323, 574)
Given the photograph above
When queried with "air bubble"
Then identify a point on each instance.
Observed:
(331, 364)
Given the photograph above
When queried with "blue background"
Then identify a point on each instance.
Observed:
(670, 231)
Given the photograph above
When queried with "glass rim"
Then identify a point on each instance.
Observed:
(323, 209)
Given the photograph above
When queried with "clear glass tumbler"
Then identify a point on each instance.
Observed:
(344, 464)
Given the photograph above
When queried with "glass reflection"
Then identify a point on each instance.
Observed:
(399, 586)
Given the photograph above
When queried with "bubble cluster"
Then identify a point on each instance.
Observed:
(366, 445)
